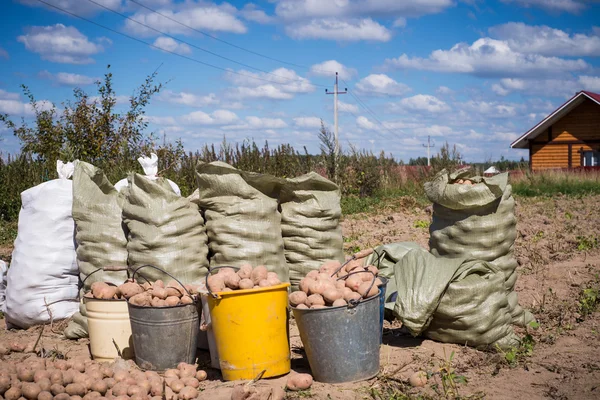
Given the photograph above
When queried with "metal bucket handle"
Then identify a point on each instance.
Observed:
(109, 268)
(353, 303)
(357, 255)
(210, 271)
(164, 272)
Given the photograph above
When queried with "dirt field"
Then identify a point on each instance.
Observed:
(559, 258)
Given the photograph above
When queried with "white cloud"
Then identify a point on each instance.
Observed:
(69, 79)
(399, 22)
(570, 6)
(330, 67)
(307, 122)
(591, 83)
(490, 109)
(218, 117)
(340, 30)
(444, 90)
(160, 120)
(489, 57)
(78, 7)
(381, 85)
(170, 44)
(547, 87)
(256, 123)
(3, 53)
(4, 95)
(188, 99)
(61, 44)
(546, 41)
(365, 123)
(251, 12)
(198, 15)
(11, 105)
(302, 9)
(347, 107)
(419, 103)
(281, 84)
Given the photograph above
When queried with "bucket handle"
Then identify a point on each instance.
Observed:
(360, 254)
(353, 303)
(210, 271)
(164, 272)
(113, 268)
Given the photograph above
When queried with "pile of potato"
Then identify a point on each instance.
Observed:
(319, 289)
(78, 379)
(227, 279)
(156, 294)
(463, 182)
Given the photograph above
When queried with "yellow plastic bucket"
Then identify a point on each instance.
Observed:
(251, 331)
(108, 321)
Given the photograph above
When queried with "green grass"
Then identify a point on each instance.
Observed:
(8, 232)
(410, 195)
(552, 183)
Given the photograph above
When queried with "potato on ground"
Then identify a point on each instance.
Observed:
(299, 382)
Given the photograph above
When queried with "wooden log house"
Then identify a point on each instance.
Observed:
(568, 138)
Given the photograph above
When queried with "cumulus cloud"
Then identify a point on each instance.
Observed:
(307, 122)
(546, 41)
(251, 12)
(489, 58)
(11, 104)
(68, 79)
(75, 6)
(218, 117)
(570, 6)
(347, 107)
(490, 109)
(419, 103)
(381, 85)
(256, 123)
(444, 90)
(330, 67)
(350, 30)
(547, 87)
(281, 84)
(198, 15)
(591, 83)
(170, 44)
(188, 99)
(61, 44)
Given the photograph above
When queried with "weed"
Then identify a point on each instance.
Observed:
(300, 394)
(538, 236)
(450, 381)
(516, 355)
(588, 301)
(568, 215)
(422, 224)
(586, 243)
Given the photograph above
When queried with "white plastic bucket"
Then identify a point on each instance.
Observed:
(108, 321)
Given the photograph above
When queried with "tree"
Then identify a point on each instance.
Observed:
(328, 150)
(446, 158)
(421, 161)
(88, 128)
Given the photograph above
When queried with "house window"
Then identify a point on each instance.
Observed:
(591, 159)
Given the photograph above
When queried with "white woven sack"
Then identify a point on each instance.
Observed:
(150, 167)
(3, 268)
(42, 279)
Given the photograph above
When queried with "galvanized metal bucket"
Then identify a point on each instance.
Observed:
(382, 289)
(341, 343)
(164, 336)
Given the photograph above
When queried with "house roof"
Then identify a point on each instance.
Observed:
(542, 126)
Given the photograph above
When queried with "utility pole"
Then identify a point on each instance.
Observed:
(429, 145)
(335, 121)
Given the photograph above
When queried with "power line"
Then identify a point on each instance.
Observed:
(194, 46)
(158, 47)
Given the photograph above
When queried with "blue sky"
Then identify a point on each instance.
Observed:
(473, 73)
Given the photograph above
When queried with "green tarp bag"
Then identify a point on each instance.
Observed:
(164, 230)
(310, 224)
(243, 222)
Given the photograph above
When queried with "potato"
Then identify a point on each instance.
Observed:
(243, 392)
(172, 301)
(188, 393)
(25, 374)
(245, 271)
(190, 382)
(99, 386)
(44, 395)
(305, 285)
(120, 389)
(186, 300)
(91, 396)
(68, 376)
(56, 376)
(158, 283)
(186, 370)
(41, 374)
(353, 265)
(317, 306)
(107, 371)
(14, 393)
(122, 397)
(315, 299)
(75, 398)
(341, 284)
(319, 286)
(108, 292)
(378, 282)
(159, 292)
(302, 306)
(330, 295)
(169, 394)
(156, 389)
(228, 289)
(30, 390)
(418, 379)
(263, 283)
(216, 283)
(44, 384)
(366, 290)
(139, 397)
(176, 385)
(299, 382)
(312, 275)
(354, 281)
(56, 388)
(110, 382)
(134, 389)
(145, 385)
(297, 298)
(373, 269)
(4, 384)
(232, 281)
(329, 267)
(95, 374)
(201, 375)
(60, 364)
(129, 289)
(4, 350)
(339, 303)
(175, 289)
(172, 373)
(246, 284)
(352, 296)
(146, 286)
(156, 302)
(120, 376)
(97, 287)
(258, 274)
(62, 396)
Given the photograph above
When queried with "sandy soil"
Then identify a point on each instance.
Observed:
(557, 250)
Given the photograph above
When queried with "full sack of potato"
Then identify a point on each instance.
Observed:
(164, 230)
(42, 279)
(310, 224)
(150, 167)
(474, 217)
(242, 218)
